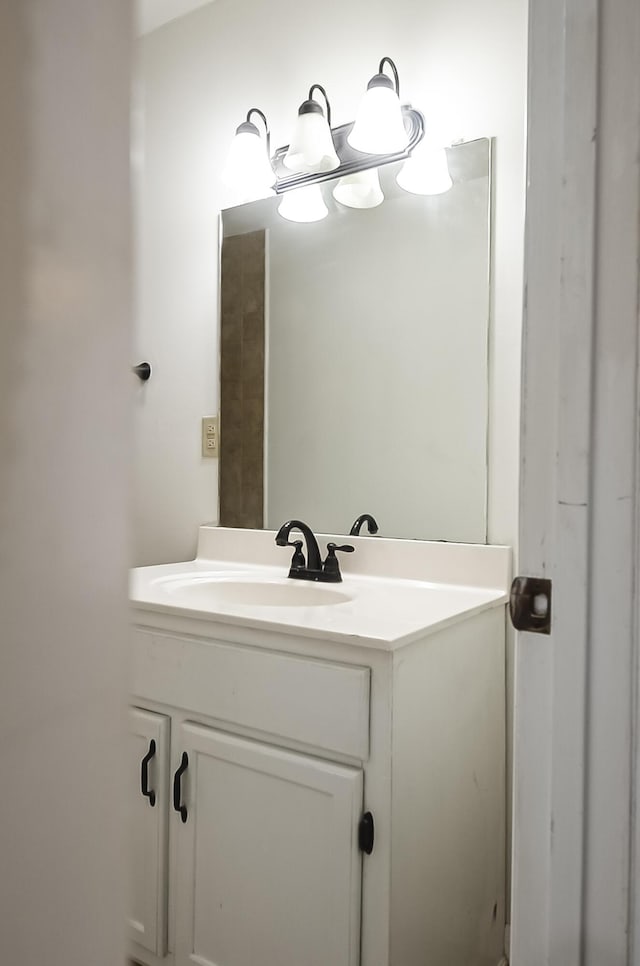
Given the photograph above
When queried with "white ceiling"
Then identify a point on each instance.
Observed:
(151, 14)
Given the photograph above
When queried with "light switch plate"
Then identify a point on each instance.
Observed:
(210, 436)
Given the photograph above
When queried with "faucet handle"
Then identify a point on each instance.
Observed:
(297, 561)
(331, 567)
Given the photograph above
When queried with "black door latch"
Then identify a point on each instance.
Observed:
(530, 604)
(366, 833)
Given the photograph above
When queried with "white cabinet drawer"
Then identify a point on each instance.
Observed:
(318, 703)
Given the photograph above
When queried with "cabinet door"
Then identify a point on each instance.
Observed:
(269, 869)
(149, 772)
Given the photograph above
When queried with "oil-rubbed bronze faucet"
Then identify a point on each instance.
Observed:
(372, 526)
(311, 568)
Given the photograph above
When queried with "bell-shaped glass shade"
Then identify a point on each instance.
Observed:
(426, 172)
(311, 147)
(303, 204)
(379, 127)
(360, 190)
(248, 168)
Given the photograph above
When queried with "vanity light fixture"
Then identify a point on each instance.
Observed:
(248, 166)
(312, 147)
(379, 125)
(305, 204)
(361, 190)
(384, 132)
(426, 172)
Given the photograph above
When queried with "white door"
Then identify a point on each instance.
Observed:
(268, 867)
(149, 807)
(574, 893)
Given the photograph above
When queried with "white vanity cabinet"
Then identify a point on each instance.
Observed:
(267, 865)
(283, 742)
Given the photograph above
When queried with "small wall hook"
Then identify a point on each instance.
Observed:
(142, 371)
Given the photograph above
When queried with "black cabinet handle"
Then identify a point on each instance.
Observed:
(177, 787)
(144, 774)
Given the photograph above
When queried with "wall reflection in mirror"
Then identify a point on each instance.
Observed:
(354, 359)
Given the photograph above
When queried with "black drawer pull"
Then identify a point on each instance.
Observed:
(177, 787)
(144, 774)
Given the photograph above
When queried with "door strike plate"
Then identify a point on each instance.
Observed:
(530, 604)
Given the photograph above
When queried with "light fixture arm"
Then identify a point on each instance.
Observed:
(351, 161)
(394, 69)
(319, 87)
(256, 110)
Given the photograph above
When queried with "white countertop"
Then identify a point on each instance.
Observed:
(392, 592)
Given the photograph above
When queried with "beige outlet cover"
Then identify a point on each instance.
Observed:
(210, 436)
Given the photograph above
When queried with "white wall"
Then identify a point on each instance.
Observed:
(64, 431)
(151, 14)
(463, 64)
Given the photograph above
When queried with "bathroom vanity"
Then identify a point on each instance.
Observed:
(318, 772)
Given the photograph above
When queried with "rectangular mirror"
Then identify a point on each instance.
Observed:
(354, 371)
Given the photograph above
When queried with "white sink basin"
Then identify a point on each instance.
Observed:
(210, 590)
(393, 591)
